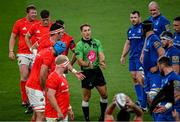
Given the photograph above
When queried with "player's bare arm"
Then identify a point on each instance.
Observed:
(43, 75)
(12, 42)
(125, 51)
(27, 39)
(51, 97)
(102, 62)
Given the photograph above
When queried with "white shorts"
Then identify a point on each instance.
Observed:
(36, 99)
(26, 59)
(55, 119)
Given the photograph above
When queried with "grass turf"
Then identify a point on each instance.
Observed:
(109, 20)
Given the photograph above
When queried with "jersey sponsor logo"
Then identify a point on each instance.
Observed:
(175, 59)
(139, 31)
(91, 56)
(62, 84)
(24, 28)
(38, 31)
(157, 44)
(167, 27)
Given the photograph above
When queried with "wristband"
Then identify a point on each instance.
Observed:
(70, 107)
(168, 105)
(73, 71)
(11, 51)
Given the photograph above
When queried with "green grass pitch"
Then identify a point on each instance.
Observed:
(109, 20)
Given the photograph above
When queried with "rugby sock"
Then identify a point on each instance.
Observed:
(139, 92)
(23, 92)
(144, 99)
(103, 105)
(85, 108)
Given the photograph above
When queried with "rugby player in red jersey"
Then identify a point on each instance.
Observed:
(25, 57)
(57, 93)
(38, 30)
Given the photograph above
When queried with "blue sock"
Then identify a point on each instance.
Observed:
(144, 99)
(139, 90)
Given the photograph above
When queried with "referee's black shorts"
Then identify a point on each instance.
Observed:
(94, 77)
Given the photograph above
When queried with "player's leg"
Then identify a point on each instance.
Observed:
(100, 84)
(103, 100)
(85, 103)
(23, 63)
(86, 85)
(37, 100)
(133, 68)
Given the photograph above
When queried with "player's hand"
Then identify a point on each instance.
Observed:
(177, 95)
(175, 114)
(80, 76)
(102, 64)
(90, 65)
(11, 55)
(154, 69)
(71, 114)
(129, 102)
(122, 60)
(141, 58)
(159, 109)
(60, 116)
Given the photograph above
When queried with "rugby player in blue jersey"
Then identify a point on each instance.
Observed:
(134, 45)
(152, 50)
(160, 22)
(164, 109)
(171, 51)
(176, 26)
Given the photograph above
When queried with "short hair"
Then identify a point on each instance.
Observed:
(60, 21)
(83, 25)
(29, 7)
(55, 26)
(61, 59)
(123, 115)
(154, 3)
(44, 14)
(136, 12)
(167, 34)
(165, 61)
(147, 25)
(177, 18)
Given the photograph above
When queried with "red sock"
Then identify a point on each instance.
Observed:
(23, 92)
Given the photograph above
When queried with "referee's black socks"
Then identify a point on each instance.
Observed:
(85, 108)
(103, 105)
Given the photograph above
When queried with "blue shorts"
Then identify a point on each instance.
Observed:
(152, 81)
(134, 65)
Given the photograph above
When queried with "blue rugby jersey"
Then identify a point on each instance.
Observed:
(160, 24)
(135, 36)
(152, 43)
(174, 54)
(177, 40)
(172, 76)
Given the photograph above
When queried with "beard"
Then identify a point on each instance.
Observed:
(162, 73)
(166, 46)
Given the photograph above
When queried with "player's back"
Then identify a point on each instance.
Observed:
(44, 57)
(150, 52)
(44, 42)
(70, 44)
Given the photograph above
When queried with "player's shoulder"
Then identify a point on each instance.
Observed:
(164, 19)
(68, 36)
(96, 40)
